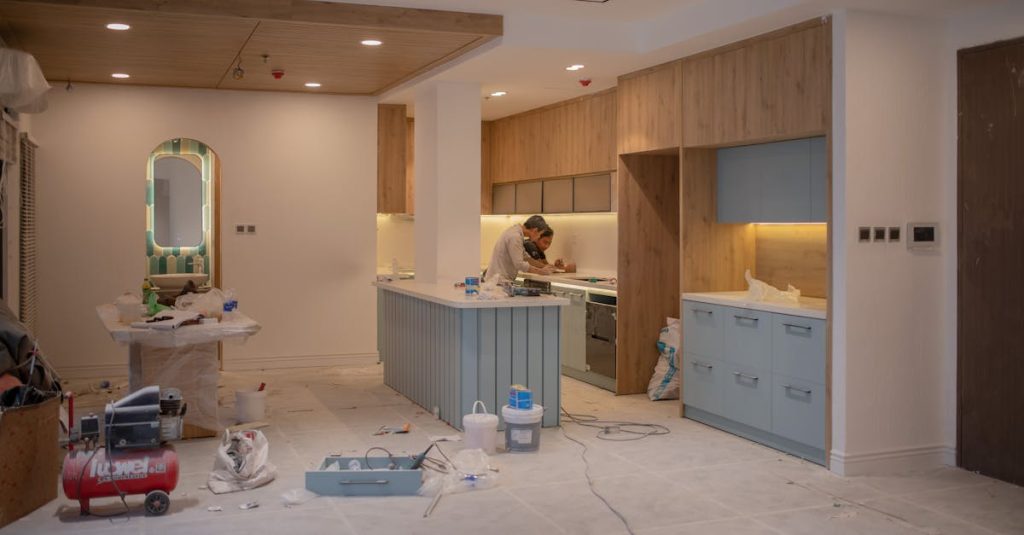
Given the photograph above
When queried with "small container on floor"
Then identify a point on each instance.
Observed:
(522, 428)
(250, 405)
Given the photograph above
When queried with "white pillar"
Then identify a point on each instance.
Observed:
(447, 228)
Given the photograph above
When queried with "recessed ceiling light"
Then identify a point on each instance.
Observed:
(312, 84)
(119, 26)
(574, 67)
(371, 42)
(120, 75)
(499, 93)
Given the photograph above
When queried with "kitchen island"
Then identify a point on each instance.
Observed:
(444, 350)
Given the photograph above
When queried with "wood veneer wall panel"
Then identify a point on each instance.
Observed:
(485, 167)
(648, 265)
(649, 108)
(793, 254)
(767, 88)
(714, 255)
(391, 158)
(574, 137)
(410, 166)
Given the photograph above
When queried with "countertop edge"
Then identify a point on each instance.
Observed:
(505, 302)
(566, 281)
(778, 308)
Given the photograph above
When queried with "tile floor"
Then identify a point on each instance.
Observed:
(696, 480)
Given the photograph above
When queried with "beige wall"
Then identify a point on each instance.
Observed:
(294, 165)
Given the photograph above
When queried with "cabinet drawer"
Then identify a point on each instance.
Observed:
(702, 383)
(798, 347)
(798, 410)
(747, 396)
(702, 329)
(748, 337)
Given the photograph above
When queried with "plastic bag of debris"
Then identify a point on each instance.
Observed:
(665, 381)
(469, 470)
(762, 291)
(241, 463)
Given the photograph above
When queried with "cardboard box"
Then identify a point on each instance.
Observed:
(30, 459)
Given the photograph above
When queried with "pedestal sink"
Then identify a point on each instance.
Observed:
(177, 281)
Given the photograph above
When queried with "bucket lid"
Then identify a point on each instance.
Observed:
(522, 416)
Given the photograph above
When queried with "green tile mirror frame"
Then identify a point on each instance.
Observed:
(199, 258)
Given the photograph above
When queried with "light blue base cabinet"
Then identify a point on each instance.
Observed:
(448, 357)
(757, 374)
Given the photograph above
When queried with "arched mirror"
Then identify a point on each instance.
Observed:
(181, 183)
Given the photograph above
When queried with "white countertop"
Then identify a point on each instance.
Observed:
(570, 279)
(449, 295)
(808, 307)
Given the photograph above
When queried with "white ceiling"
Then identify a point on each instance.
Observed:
(542, 37)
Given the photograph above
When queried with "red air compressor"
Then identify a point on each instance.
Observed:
(135, 458)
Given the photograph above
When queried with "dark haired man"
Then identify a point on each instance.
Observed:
(508, 257)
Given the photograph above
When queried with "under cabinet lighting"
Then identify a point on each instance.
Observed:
(574, 67)
(371, 42)
(118, 26)
(120, 75)
(313, 84)
(499, 93)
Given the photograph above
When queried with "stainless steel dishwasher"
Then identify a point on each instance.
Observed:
(601, 319)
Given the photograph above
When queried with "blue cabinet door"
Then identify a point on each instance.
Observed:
(783, 182)
(702, 329)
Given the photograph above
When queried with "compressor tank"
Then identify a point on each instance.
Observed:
(89, 474)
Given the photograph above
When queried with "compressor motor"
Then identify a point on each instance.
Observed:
(136, 458)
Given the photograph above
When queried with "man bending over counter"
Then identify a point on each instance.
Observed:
(535, 252)
(509, 256)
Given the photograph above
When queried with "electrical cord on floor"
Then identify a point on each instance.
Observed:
(611, 428)
(590, 482)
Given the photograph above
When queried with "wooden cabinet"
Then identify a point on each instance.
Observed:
(783, 182)
(649, 109)
(757, 374)
(391, 159)
(504, 199)
(573, 137)
(772, 87)
(555, 196)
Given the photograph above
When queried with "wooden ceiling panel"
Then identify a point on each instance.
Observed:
(72, 43)
(195, 43)
(333, 56)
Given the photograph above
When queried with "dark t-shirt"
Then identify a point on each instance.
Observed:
(534, 251)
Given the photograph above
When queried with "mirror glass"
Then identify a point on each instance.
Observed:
(177, 200)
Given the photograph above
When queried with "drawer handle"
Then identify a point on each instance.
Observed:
(702, 311)
(745, 376)
(702, 365)
(747, 318)
(792, 326)
(350, 482)
(801, 390)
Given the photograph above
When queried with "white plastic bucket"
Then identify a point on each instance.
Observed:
(481, 429)
(250, 405)
(522, 428)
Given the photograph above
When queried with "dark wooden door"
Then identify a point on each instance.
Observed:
(990, 186)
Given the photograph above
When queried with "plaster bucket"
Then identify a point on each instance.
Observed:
(522, 428)
(481, 429)
(250, 405)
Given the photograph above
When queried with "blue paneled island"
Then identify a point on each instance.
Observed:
(445, 350)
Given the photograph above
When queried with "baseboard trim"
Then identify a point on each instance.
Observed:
(891, 461)
(106, 371)
(301, 361)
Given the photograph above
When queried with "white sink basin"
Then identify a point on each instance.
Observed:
(177, 281)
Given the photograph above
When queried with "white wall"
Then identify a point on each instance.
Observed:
(590, 240)
(888, 314)
(300, 167)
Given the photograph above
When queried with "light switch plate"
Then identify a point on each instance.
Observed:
(239, 229)
(864, 234)
(251, 229)
(922, 236)
(894, 234)
(879, 234)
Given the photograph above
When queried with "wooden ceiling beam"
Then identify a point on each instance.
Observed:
(311, 11)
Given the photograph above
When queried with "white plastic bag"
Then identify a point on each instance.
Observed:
(469, 470)
(241, 463)
(209, 304)
(665, 381)
(762, 291)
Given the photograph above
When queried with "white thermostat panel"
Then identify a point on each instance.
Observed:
(922, 236)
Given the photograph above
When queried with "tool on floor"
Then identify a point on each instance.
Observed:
(385, 430)
(135, 457)
(418, 462)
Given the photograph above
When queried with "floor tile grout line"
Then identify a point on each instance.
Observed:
(548, 519)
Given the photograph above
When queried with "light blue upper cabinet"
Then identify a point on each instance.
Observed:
(783, 182)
